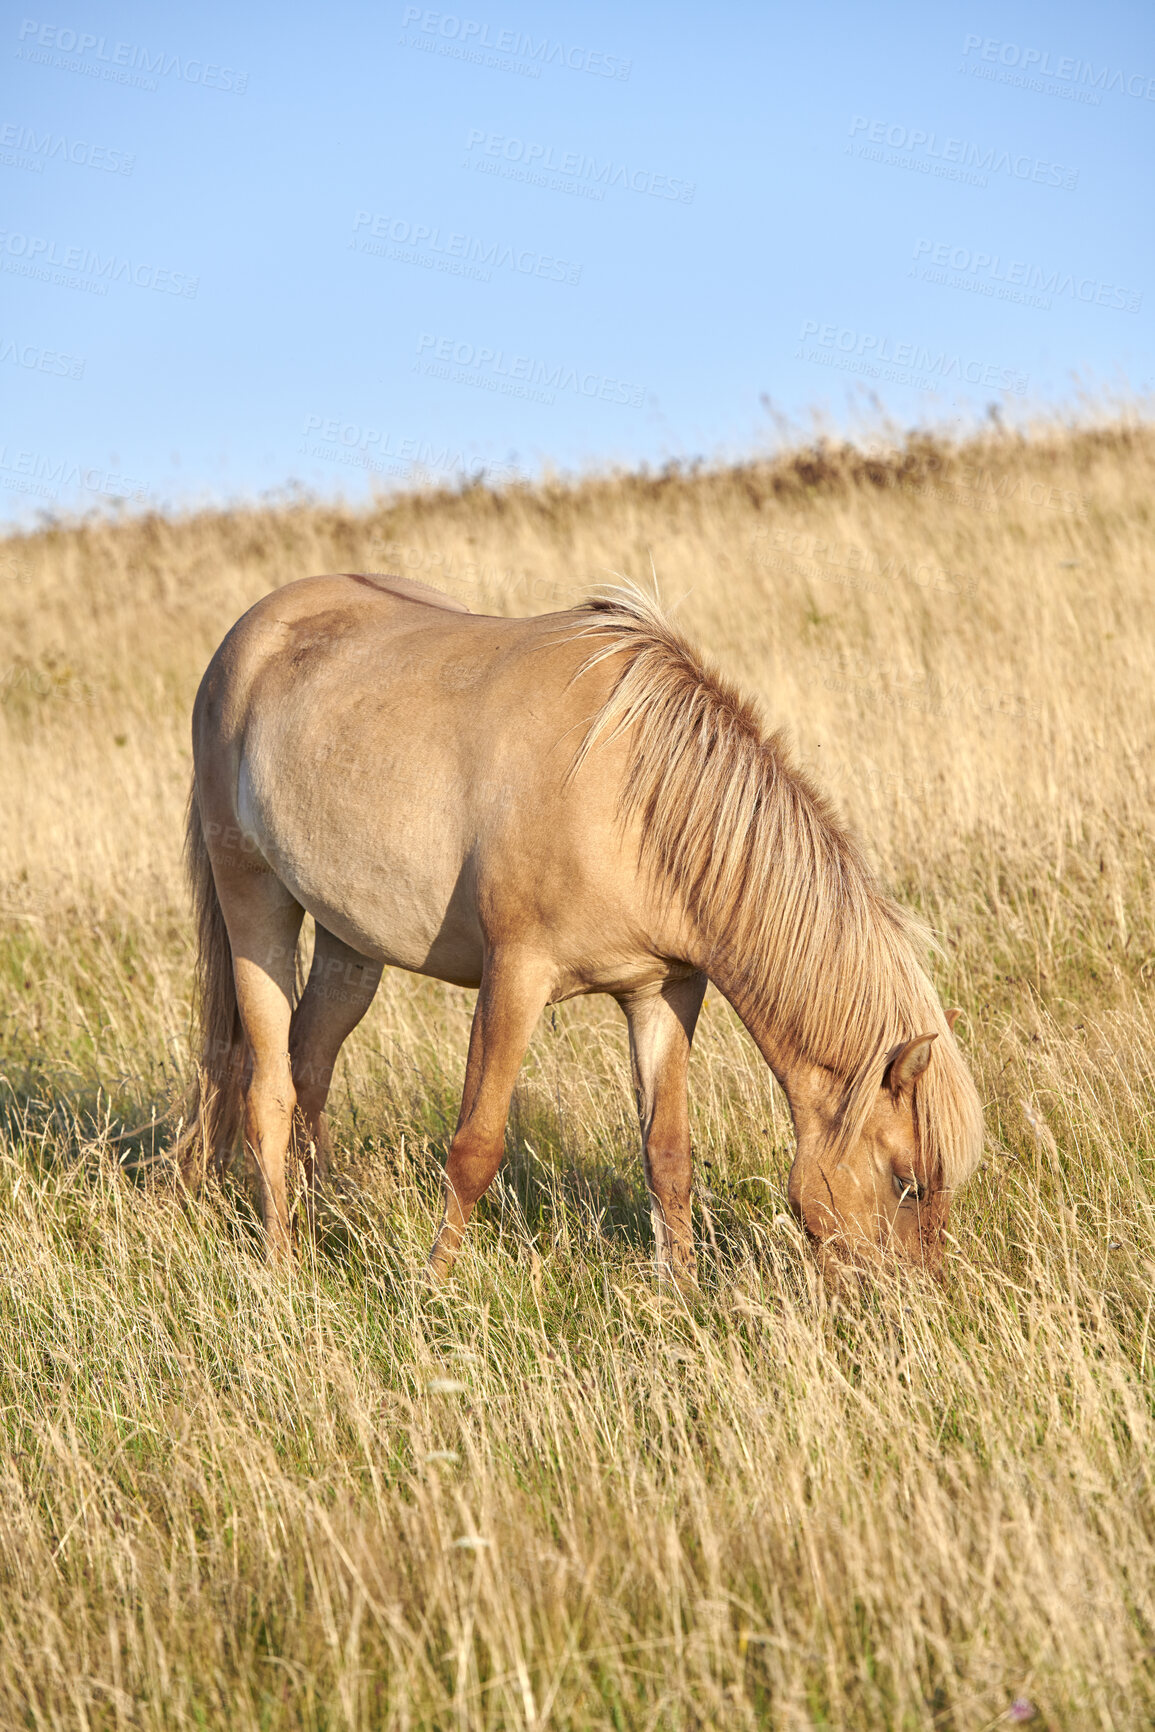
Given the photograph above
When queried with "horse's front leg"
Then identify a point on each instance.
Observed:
(661, 1023)
(515, 988)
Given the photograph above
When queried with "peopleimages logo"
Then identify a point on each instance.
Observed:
(891, 684)
(468, 39)
(1011, 280)
(40, 360)
(124, 63)
(1037, 63)
(81, 268)
(807, 555)
(360, 446)
(925, 152)
(534, 163)
(41, 147)
(876, 357)
(461, 255)
(32, 472)
(521, 376)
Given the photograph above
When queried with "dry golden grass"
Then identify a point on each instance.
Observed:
(556, 1496)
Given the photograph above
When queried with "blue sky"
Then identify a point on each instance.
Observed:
(347, 248)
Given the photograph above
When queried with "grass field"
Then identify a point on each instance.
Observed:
(556, 1496)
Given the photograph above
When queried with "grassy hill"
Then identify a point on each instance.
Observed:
(554, 1496)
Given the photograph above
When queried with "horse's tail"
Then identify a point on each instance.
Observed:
(216, 1094)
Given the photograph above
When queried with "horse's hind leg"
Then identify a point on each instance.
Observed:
(263, 922)
(337, 994)
(514, 990)
(661, 1027)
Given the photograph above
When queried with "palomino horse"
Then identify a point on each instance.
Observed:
(540, 808)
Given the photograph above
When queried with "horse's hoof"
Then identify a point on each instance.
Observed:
(682, 1276)
(439, 1267)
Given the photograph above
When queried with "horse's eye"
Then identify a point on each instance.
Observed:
(908, 1189)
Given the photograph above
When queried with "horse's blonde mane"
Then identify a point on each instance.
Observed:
(775, 882)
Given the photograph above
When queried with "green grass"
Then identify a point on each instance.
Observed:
(555, 1494)
(238, 1498)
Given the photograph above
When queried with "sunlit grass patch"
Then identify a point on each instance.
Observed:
(558, 1493)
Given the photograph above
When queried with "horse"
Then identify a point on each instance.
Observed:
(539, 808)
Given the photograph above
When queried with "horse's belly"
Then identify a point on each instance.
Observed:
(388, 876)
(400, 936)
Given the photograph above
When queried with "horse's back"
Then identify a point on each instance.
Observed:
(316, 625)
(331, 640)
(408, 589)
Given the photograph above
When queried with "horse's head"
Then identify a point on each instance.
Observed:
(870, 1194)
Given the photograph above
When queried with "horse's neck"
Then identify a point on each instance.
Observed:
(811, 1090)
(776, 1046)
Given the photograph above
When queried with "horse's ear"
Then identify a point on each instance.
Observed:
(952, 1017)
(908, 1063)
